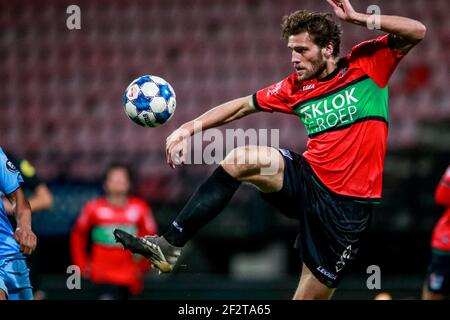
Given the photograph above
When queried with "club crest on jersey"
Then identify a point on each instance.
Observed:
(10, 166)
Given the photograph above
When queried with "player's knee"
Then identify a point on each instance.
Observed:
(240, 161)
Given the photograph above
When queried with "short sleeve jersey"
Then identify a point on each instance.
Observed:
(346, 118)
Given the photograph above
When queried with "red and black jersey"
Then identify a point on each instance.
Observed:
(346, 117)
(441, 233)
(107, 262)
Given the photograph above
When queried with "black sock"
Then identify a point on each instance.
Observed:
(205, 204)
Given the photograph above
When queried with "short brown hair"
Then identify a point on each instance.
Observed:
(321, 28)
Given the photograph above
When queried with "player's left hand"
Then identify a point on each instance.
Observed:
(27, 240)
(343, 9)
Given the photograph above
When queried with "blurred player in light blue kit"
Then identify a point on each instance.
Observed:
(14, 245)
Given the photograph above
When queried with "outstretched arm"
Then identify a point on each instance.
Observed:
(406, 32)
(224, 113)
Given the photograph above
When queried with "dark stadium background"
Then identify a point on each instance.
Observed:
(61, 108)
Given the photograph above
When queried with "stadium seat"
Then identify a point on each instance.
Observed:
(71, 83)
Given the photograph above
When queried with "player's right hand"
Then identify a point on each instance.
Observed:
(27, 240)
(176, 147)
(343, 9)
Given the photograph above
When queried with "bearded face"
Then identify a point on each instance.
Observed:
(308, 58)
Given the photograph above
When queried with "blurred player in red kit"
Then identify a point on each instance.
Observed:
(117, 274)
(437, 282)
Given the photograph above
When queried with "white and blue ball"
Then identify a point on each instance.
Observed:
(149, 101)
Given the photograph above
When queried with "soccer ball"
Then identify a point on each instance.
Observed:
(149, 101)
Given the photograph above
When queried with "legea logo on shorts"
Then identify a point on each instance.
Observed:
(327, 273)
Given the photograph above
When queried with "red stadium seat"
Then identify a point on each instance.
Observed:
(71, 83)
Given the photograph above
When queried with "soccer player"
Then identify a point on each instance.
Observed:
(437, 283)
(14, 245)
(40, 198)
(116, 274)
(332, 187)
